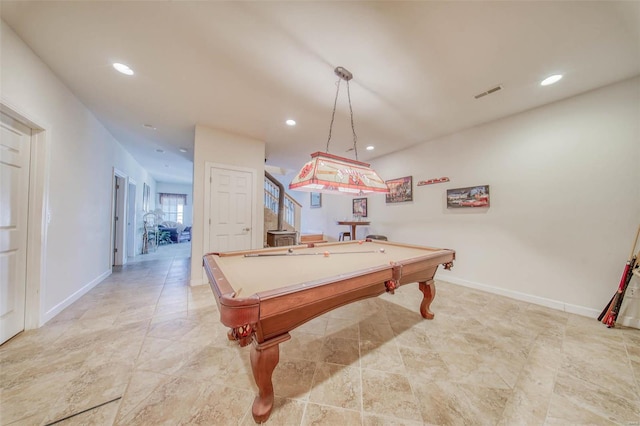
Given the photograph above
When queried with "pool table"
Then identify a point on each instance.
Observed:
(264, 294)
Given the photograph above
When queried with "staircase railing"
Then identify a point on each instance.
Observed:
(280, 203)
(289, 211)
(271, 196)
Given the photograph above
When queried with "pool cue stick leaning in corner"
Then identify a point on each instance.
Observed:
(604, 316)
(606, 308)
(610, 321)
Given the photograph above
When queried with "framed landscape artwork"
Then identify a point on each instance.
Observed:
(473, 196)
(359, 207)
(316, 200)
(400, 190)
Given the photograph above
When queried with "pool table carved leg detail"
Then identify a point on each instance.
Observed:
(428, 289)
(264, 358)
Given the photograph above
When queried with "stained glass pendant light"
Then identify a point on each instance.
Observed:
(332, 174)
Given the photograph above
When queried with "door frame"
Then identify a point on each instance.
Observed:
(131, 218)
(38, 215)
(118, 230)
(256, 236)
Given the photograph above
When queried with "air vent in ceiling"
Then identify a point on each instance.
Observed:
(488, 92)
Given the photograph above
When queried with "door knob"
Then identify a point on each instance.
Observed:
(246, 229)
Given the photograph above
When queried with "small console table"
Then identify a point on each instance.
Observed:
(353, 224)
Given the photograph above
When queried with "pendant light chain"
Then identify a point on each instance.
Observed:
(333, 114)
(355, 138)
(345, 75)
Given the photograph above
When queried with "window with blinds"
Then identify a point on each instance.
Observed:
(172, 206)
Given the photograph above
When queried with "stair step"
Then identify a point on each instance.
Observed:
(312, 238)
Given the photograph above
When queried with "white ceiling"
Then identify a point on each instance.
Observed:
(246, 67)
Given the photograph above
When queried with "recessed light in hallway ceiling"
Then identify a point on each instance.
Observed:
(551, 79)
(124, 69)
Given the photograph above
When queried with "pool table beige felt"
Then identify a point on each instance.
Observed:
(263, 294)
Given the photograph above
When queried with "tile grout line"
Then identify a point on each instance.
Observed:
(555, 376)
(83, 411)
(137, 358)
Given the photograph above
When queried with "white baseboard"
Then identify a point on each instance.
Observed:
(196, 282)
(199, 280)
(75, 296)
(536, 300)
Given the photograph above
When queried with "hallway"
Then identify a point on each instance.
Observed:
(144, 347)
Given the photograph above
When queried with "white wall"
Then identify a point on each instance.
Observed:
(175, 188)
(82, 157)
(217, 146)
(565, 200)
(312, 220)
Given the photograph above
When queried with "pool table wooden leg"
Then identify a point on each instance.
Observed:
(428, 289)
(264, 359)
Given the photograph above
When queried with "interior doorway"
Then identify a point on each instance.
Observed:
(131, 219)
(118, 222)
(36, 218)
(229, 206)
(15, 145)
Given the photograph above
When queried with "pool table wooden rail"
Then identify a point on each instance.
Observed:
(277, 311)
(267, 317)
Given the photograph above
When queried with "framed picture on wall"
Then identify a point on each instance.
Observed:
(359, 207)
(400, 190)
(316, 200)
(473, 196)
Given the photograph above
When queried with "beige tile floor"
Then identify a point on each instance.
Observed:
(153, 346)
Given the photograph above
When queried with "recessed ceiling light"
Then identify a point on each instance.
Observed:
(124, 69)
(551, 79)
(149, 126)
(183, 149)
(160, 150)
(290, 122)
(371, 148)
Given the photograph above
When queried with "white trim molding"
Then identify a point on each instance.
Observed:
(75, 296)
(536, 300)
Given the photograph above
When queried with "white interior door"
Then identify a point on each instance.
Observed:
(15, 144)
(231, 209)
